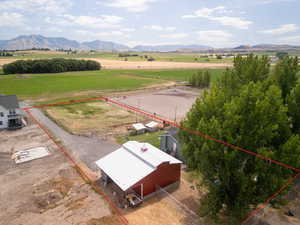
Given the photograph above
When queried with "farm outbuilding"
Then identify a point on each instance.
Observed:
(152, 126)
(140, 168)
(139, 128)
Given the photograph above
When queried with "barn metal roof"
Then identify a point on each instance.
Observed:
(132, 162)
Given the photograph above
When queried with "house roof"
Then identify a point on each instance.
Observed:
(132, 162)
(9, 101)
(138, 126)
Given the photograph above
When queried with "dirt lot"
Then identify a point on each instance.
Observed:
(171, 103)
(164, 208)
(115, 64)
(45, 191)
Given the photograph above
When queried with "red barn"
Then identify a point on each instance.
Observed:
(139, 167)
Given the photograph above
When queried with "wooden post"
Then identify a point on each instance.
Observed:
(142, 191)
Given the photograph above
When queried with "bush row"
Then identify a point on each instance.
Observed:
(50, 66)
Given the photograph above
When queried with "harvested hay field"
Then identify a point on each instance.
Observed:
(115, 64)
(93, 119)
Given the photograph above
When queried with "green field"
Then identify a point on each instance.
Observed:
(151, 138)
(72, 83)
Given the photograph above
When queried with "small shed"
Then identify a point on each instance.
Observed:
(139, 128)
(169, 143)
(139, 167)
(152, 126)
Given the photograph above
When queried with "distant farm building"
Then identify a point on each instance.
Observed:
(139, 168)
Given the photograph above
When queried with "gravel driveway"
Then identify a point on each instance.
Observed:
(87, 149)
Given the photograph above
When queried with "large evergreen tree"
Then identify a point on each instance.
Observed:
(245, 109)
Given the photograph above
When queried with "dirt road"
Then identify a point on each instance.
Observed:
(131, 65)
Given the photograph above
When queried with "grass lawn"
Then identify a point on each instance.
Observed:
(57, 85)
(54, 84)
(151, 138)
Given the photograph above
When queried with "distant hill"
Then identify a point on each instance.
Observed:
(105, 46)
(270, 47)
(38, 41)
(169, 48)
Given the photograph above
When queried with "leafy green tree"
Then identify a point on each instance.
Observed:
(252, 116)
(285, 74)
(50, 66)
(293, 102)
(281, 55)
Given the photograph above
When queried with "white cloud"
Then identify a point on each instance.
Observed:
(11, 19)
(159, 28)
(213, 14)
(36, 6)
(291, 39)
(174, 36)
(103, 21)
(130, 5)
(216, 38)
(128, 29)
(286, 28)
(263, 2)
(95, 35)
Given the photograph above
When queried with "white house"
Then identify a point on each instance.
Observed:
(10, 112)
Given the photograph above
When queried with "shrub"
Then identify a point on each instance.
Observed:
(50, 66)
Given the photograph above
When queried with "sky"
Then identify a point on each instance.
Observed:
(216, 23)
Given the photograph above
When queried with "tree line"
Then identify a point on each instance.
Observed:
(57, 65)
(5, 53)
(258, 109)
(200, 79)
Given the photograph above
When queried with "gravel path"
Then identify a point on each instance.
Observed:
(87, 149)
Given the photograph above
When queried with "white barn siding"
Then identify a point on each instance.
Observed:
(3, 119)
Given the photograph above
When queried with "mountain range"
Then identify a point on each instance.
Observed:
(38, 41)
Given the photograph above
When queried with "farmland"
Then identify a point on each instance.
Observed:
(73, 83)
(168, 57)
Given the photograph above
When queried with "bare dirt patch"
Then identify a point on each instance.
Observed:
(45, 191)
(171, 103)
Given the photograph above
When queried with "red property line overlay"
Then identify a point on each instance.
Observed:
(154, 117)
(78, 168)
(264, 204)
